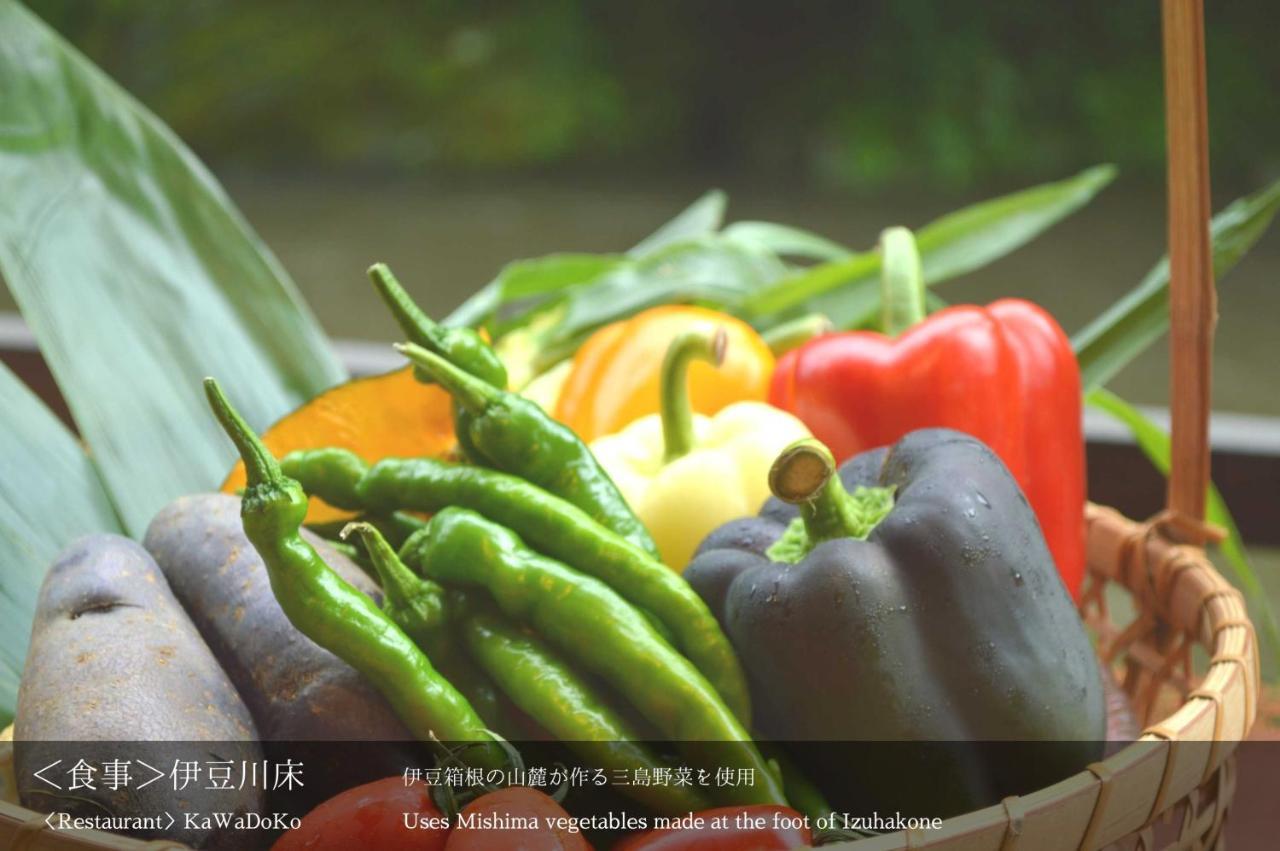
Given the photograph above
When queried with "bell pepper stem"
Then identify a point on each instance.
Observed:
(793, 334)
(400, 584)
(677, 410)
(805, 475)
(468, 391)
(261, 467)
(901, 281)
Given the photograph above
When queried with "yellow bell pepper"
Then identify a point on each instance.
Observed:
(614, 377)
(685, 474)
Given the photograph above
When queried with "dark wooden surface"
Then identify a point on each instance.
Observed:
(1121, 476)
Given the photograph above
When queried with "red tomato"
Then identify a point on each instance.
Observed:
(790, 834)
(383, 814)
(504, 810)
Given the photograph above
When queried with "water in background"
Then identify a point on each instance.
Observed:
(445, 239)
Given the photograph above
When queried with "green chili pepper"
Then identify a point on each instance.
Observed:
(560, 530)
(427, 614)
(334, 474)
(395, 526)
(519, 437)
(587, 621)
(414, 603)
(337, 616)
(352, 553)
(559, 699)
(462, 346)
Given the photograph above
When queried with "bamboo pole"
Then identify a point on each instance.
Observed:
(1192, 300)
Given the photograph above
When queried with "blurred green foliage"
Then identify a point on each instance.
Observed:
(835, 92)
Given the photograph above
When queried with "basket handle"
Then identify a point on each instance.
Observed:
(1192, 300)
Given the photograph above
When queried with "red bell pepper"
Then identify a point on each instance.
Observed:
(1005, 374)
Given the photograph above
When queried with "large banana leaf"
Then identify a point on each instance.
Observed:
(137, 276)
(49, 494)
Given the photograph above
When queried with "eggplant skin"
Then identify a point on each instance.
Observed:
(295, 689)
(116, 670)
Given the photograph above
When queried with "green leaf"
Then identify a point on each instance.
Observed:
(969, 239)
(138, 277)
(50, 493)
(934, 302)
(542, 275)
(785, 241)
(1154, 443)
(955, 244)
(556, 274)
(537, 284)
(1139, 318)
(711, 270)
(701, 218)
(850, 293)
(478, 308)
(582, 292)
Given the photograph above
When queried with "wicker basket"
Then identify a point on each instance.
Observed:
(1172, 788)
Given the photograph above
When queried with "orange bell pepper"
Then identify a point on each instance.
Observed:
(615, 374)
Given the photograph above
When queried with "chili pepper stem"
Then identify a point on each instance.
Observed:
(462, 347)
(397, 580)
(420, 328)
(416, 325)
(677, 410)
(261, 467)
(468, 391)
(901, 281)
(805, 475)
